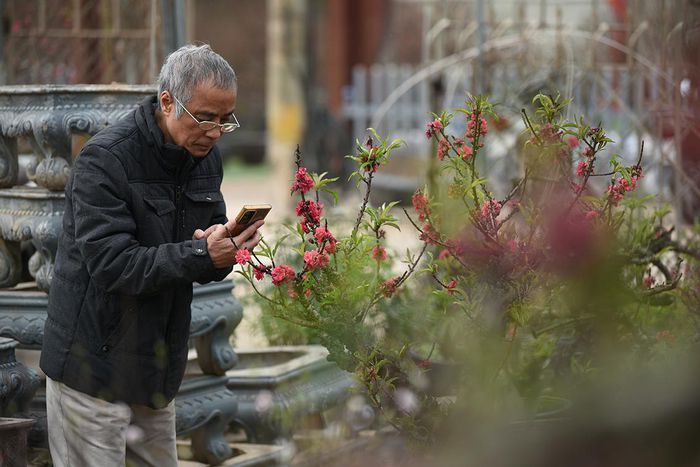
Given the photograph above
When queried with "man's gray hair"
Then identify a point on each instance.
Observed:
(191, 65)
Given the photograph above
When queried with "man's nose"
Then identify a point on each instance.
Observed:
(214, 133)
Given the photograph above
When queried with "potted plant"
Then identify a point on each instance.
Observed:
(514, 301)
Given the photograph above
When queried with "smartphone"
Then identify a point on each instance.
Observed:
(248, 214)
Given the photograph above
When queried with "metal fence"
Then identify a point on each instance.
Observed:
(617, 74)
(81, 41)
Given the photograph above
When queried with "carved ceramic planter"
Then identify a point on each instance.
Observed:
(204, 408)
(13, 441)
(242, 455)
(17, 382)
(215, 314)
(278, 386)
(29, 214)
(47, 118)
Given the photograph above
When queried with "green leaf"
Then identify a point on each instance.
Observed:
(332, 193)
(278, 244)
(477, 182)
(395, 144)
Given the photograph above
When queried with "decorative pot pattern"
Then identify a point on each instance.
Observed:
(17, 382)
(47, 117)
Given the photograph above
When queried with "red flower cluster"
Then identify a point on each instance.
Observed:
(314, 260)
(592, 214)
(433, 128)
(549, 134)
(429, 235)
(379, 253)
(259, 272)
(424, 363)
(466, 151)
(500, 123)
(620, 186)
(388, 287)
(242, 256)
(420, 204)
(323, 236)
(282, 274)
(582, 168)
(490, 209)
(310, 212)
(476, 127)
(370, 157)
(302, 181)
(665, 336)
(443, 149)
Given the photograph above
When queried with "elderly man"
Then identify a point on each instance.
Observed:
(144, 219)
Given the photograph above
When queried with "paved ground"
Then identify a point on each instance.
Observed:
(251, 188)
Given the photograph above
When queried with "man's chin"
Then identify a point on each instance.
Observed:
(200, 151)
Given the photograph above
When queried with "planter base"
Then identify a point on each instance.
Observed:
(278, 388)
(243, 455)
(13, 441)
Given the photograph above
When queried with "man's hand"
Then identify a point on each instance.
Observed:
(222, 248)
(199, 233)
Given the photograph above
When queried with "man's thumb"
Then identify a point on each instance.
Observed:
(219, 232)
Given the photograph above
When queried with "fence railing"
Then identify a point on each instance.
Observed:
(87, 41)
(634, 99)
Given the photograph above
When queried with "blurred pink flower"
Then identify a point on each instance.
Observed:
(282, 274)
(433, 128)
(379, 253)
(302, 181)
(242, 256)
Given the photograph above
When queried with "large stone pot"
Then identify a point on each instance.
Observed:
(17, 382)
(17, 386)
(13, 441)
(45, 119)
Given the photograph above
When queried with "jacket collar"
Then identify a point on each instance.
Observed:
(172, 157)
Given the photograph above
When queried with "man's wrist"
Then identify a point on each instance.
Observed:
(199, 247)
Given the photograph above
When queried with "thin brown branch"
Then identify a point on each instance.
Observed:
(365, 201)
(528, 124)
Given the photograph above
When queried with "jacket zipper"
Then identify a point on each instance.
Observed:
(182, 175)
(180, 217)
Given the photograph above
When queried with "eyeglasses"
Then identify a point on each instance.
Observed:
(207, 125)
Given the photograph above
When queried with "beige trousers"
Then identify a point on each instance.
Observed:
(85, 431)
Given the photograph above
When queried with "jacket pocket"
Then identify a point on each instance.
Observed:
(206, 197)
(156, 221)
(66, 300)
(121, 325)
(160, 206)
(201, 207)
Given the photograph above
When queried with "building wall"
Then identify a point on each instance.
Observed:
(236, 30)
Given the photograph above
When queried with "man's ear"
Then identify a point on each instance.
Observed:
(167, 103)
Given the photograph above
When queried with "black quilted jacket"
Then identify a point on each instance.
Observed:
(119, 305)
